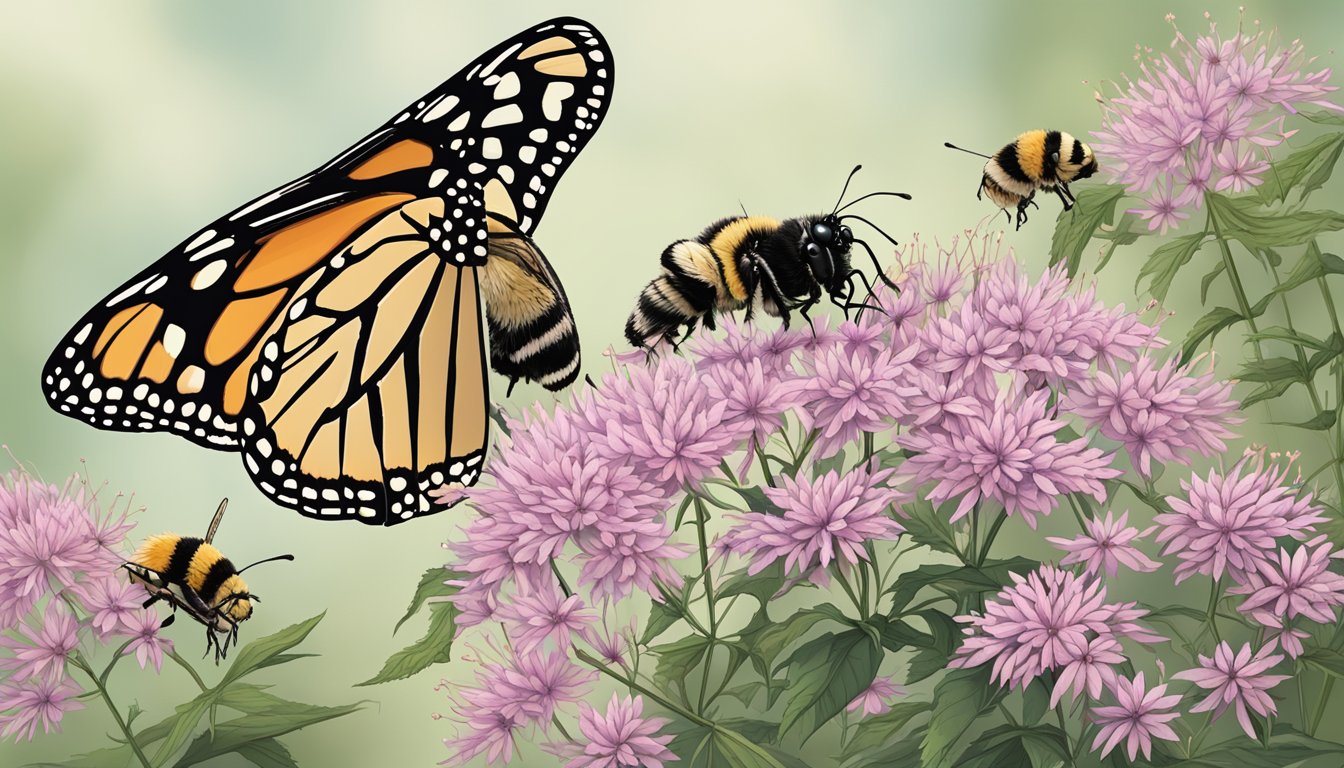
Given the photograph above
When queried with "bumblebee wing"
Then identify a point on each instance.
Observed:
(214, 523)
(532, 332)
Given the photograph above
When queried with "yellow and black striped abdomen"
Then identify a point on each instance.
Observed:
(187, 561)
(726, 238)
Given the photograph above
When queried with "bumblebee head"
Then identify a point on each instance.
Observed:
(238, 606)
(1074, 160)
(826, 245)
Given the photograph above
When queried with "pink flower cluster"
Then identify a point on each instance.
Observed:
(1052, 620)
(1202, 119)
(60, 585)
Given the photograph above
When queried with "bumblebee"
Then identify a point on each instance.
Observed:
(1035, 160)
(746, 262)
(191, 574)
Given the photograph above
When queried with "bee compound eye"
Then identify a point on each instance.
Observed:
(813, 250)
(846, 233)
(1054, 157)
(822, 233)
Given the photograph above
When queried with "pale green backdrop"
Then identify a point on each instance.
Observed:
(125, 126)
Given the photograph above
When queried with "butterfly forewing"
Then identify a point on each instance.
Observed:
(355, 396)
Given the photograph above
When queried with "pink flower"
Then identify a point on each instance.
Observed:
(1089, 670)
(1162, 208)
(1296, 583)
(42, 650)
(1007, 453)
(741, 342)
(1237, 680)
(1140, 716)
(146, 642)
(1161, 413)
(111, 602)
(825, 520)
(965, 344)
(876, 698)
(544, 614)
(1043, 621)
(842, 395)
(1106, 544)
(622, 737)
(1240, 171)
(1230, 522)
(489, 732)
(44, 700)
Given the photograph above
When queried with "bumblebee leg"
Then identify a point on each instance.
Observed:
(1007, 215)
(1069, 192)
(1022, 213)
(1067, 205)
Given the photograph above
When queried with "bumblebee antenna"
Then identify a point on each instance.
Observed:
(901, 195)
(890, 239)
(845, 189)
(269, 559)
(950, 145)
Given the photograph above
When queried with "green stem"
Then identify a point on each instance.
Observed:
(701, 524)
(853, 597)
(556, 720)
(1321, 704)
(78, 661)
(181, 662)
(1213, 609)
(633, 684)
(1059, 714)
(1234, 277)
(989, 537)
(765, 465)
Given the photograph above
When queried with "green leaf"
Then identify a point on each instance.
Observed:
(184, 724)
(757, 501)
(902, 753)
(740, 752)
(771, 639)
(763, 586)
(956, 580)
(960, 698)
(267, 753)
(1267, 392)
(924, 525)
(825, 675)
(1286, 748)
(944, 634)
(1311, 266)
(835, 463)
(1164, 262)
(875, 731)
(1035, 701)
(662, 617)
(1272, 369)
(1073, 230)
(676, 660)
(1289, 336)
(1207, 327)
(1326, 660)
(231, 735)
(1039, 746)
(431, 585)
(1308, 167)
(436, 647)
(1240, 218)
(255, 654)
(1218, 268)
(1324, 117)
(1321, 421)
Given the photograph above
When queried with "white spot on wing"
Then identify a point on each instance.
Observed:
(552, 101)
(208, 274)
(173, 339)
(441, 109)
(216, 247)
(507, 114)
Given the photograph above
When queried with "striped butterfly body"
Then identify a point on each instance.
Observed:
(331, 330)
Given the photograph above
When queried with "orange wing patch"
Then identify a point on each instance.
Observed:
(299, 247)
(239, 324)
(402, 156)
(126, 343)
(549, 45)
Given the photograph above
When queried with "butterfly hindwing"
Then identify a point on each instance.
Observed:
(251, 335)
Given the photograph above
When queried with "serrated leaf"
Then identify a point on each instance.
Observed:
(431, 585)
(1241, 219)
(1166, 261)
(267, 753)
(676, 660)
(959, 699)
(763, 586)
(436, 647)
(229, 736)
(662, 617)
(1207, 327)
(1267, 392)
(1272, 369)
(1308, 167)
(255, 654)
(824, 680)
(924, 525)
(1073, 229)
(1206, 281)
(875, 731)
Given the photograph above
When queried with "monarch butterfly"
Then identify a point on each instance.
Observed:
(330, 330)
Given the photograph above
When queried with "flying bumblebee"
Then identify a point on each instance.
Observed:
(743, 262)
(191, 574)
(1035, 160)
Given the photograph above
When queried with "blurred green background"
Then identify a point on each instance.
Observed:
(126, 126)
